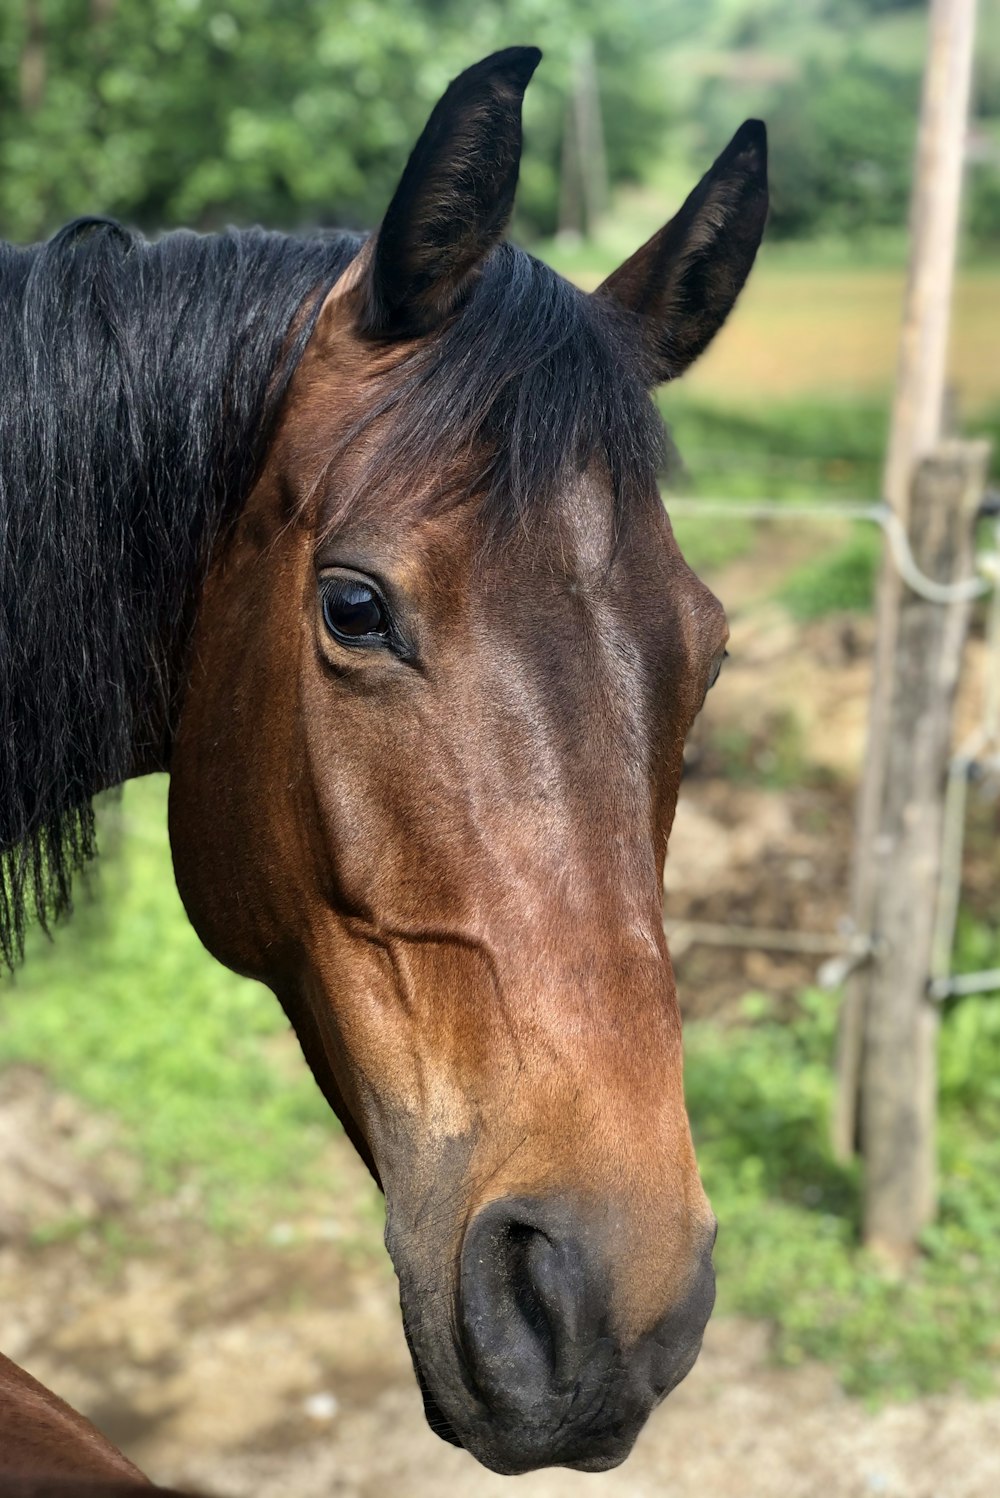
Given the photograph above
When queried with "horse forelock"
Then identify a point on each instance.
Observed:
(525, 386)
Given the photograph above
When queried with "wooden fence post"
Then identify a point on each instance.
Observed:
(917, 412)
(898, 1072)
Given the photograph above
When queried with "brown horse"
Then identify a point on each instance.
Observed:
(362, 541)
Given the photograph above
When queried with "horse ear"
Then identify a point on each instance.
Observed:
(453, 200)
(683, 282)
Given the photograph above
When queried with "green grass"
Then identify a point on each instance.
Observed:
(127, 1010)
(759, 1097)
(829, 447)
(804, 450)
(844, 579)
(784, 451)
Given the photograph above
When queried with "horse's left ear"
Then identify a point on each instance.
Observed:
(683, 282)
(453, 200)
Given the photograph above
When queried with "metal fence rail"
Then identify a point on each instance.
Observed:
(978, 757)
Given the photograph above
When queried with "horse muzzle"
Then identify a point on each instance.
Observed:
(536, 1375)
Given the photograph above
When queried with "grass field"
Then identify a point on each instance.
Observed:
(814, 321)
(126, 1009)
(834, 333)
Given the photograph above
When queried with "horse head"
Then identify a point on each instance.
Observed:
(427, 760)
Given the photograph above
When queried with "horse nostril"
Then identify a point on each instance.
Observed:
(540, 1293)
(523, 1300)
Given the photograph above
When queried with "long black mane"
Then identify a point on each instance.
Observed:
(138, 386)
(139, 383)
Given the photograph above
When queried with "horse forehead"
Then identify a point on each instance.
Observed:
(621, 563)
(585, 525)
(627, 576)
(611, 551)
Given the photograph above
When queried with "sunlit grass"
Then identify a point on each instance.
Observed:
(802, 331)
(127, 1010)
(760, 1096)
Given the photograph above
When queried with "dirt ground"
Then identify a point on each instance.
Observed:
(278, 1366)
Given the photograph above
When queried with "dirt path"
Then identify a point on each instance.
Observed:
(277, 1369)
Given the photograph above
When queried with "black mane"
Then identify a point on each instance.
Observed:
(139, 383)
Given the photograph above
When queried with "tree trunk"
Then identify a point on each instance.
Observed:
(32, 65)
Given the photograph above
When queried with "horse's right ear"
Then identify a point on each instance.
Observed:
(453, 201)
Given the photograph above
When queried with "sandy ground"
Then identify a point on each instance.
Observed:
(278, 1367)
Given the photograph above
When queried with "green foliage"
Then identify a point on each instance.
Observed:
(297, 112)
(842, 148)
(127, 1010)
(759, 1097)
(838, 83)
(289, 112)
(843, 579)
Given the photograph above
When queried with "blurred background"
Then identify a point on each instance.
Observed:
(188, 1249)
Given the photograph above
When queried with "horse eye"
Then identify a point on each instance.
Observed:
(353, 611)
(716, 668)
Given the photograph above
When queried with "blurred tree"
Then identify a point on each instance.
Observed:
(838, 82)
(300, 112)
(842, 142)
(285, 111)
